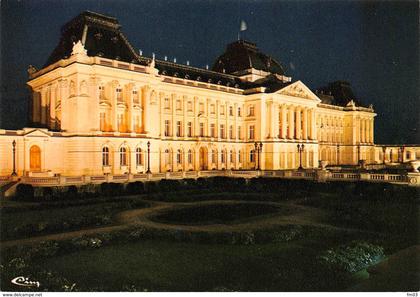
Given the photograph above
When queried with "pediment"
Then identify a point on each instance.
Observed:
(37, 133)
(298, 89)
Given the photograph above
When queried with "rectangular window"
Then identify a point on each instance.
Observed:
(201, 107)
(189, 129)
(222, 157)
(222, 110)
(201, 129)
(178, 105)
(101, 93)
(167, 127)
(231, 132)
(189, 106)
(251, 111)
(222, 131)
(239, 156)
(135, 96)
(212, 130)
(166, 103)
(230, 110)
(119, 94)
(212, 109)
(239, 111)
(178, 129)
(251, 132)
(239, 133)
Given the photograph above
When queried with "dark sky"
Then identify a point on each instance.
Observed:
(373, 45)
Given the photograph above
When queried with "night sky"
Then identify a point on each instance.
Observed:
(373, 45)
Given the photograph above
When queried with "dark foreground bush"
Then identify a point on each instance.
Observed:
(24, 192)
(135, 188)
(351, 258)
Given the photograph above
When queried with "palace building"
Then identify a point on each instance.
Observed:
(98, 106)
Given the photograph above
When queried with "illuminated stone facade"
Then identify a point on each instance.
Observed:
(99, 108)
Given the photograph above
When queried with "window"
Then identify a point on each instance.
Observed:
(239, 156)
(232, 157)
(213, 156)
(239, 111)
(201, 129)
(212, 109)
(135, 96)
(251, 111)
(222, 110)
(101, 92)
(223, 157)
(189, 129)
(105, 156)
(123, 156)
(179, 157)
(230, 110)
(139, 157)
(120, 122)
(178, 129)
(201, 107)
(212, 130)
(119, 94)
(189, 106)
(222, 131)
(231, 132)
(167, 127)
(178, 105)
(408, 155)
(252, 156)
(190, 157)
(166, 104)
(167, 157)
(251, 132)
(102, 121)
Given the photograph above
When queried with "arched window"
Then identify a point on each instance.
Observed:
(179, 157)
(123, 156)
(252, 156)
(213, 156)
(35, 158)
(167, 157)
(190, 157)
(222, 156)
(105, 156)
(139, 157)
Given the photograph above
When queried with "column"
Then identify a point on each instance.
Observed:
(313, 125)
(43, 106)
(162, 114)
(196, 122)
(291, 133)
(130, 117)
(218, 136)
(184, 116)
(362, 131)
(145, 103)
(283, 121)
(298, 124)
(272, 122)
(114, 106)
(305, 123)
(276, 121)
(235, 126)
(53, 96)
(371, 130)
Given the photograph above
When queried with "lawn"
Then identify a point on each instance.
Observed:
(168, 266)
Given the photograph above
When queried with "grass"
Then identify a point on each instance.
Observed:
(168, 266)
(52, 217)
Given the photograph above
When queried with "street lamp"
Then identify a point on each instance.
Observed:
(300, 148)
(258, 147)
(14, 158)
(148, 157)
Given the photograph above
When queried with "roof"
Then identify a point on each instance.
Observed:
(242, 55)
(337, 93)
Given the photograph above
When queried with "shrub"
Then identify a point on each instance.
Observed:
(72, 192)
(135, 188)
(349, 259)
(25, 192)
(169, 185)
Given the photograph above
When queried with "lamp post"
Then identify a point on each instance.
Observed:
(259, 155)
(148, 157)
(255, 155)
(358, 154)
(258, 147)
(14, 158)
(300, 148)
(338, 154)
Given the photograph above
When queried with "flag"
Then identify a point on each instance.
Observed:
(243, 25)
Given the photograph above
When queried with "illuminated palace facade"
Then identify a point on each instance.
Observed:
(98, 106)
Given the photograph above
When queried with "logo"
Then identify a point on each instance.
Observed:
(24, 282)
